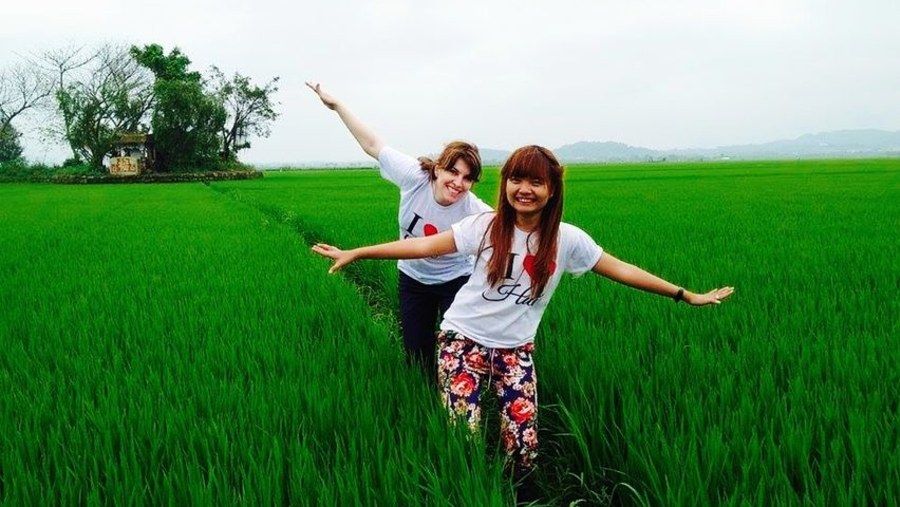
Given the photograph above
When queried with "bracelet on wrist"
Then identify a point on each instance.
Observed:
(679, 296)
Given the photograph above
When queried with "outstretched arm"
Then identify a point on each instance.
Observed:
(413, 248)
(633, 276)
(367, 139)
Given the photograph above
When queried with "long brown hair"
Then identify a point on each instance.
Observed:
(447, 159)
(527, 162)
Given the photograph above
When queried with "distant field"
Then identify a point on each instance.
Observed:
(179, 344)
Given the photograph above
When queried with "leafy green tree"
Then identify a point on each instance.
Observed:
(10, 148)
(250, 110)
(113, 94)
(186, 119)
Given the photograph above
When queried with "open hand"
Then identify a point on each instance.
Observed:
(341, 257)
(329, 101)
(713, 297)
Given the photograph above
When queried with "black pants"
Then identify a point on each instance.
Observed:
(420, 307)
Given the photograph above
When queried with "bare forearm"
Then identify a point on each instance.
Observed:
(412, 248)
(633, 276)
(636, 277)
(416, 248)
(366, 137)
(402, 249)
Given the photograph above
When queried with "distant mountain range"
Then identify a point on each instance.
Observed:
(837, 144)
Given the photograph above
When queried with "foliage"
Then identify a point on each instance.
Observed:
(110, 96)
(172, 177)
(20, 170)
(250, 110)
(58, 65)
(111, 91)
(72, 162)
(10, 147)
(186, 119)
(171, 67)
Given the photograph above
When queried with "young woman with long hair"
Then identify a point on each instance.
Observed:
(521, 252)
(433, 196)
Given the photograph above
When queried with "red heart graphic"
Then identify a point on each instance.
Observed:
(430, 230)
(528, 264)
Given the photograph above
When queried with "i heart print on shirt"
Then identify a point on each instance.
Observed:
(528, 264)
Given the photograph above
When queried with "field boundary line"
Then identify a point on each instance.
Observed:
(367, 286)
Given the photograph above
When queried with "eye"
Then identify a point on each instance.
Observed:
(515, 179)
(469, 179)
(537, 182)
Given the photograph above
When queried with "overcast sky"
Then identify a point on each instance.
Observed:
(657, 74)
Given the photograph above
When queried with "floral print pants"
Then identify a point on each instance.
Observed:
(464, 365)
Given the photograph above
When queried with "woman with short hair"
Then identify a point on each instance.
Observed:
(433, 196)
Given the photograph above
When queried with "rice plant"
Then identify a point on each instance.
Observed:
(179, 344)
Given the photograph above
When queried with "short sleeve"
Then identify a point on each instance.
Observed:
(469, 232)
(399, 168)
(582, 251)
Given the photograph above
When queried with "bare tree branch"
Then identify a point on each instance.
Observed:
(22, 87)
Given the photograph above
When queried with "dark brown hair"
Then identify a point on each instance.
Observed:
(527, 162)
(453, 152)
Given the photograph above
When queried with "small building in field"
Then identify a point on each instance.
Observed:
(133, 154)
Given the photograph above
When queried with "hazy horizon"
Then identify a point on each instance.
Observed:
(502, 74)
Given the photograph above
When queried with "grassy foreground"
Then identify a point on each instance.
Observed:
(164, 344)
(178, 343)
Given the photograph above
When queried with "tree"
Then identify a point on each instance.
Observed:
(111, 95)
(22, 87)
(58, 64)
(249, 108)
(186, 119)
(10, 149)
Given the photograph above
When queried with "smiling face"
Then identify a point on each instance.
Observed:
(530, 200)
(527, 195)
(531, 188)
(451, 184)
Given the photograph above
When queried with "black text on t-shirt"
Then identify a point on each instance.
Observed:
(427, 229)
(513, 289)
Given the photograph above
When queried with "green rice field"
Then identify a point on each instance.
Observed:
(179, 344)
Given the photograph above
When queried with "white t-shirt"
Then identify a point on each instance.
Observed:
(507, 316)
(420, 215)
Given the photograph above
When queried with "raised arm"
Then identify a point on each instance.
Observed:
(367, 139)
(412, 248)
(633, 276)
